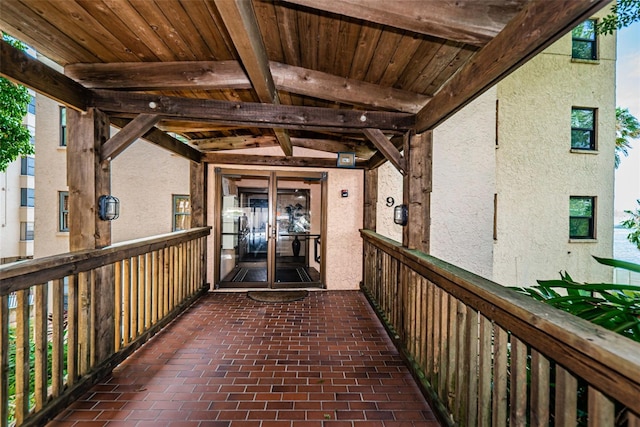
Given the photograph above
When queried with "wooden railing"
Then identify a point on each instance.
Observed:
(89, 311)
(488, 356)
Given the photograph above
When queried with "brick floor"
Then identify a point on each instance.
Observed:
(229, 361)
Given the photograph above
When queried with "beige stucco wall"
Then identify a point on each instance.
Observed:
(144, 179)
(10, 212)
(537, 172)
(389, 185)
(344, 220)
(463, 187)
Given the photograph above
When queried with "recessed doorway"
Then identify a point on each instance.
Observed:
(270, 229)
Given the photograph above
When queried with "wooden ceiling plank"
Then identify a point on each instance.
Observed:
(367, 44)
(160, 75)
(470, 22)
(347, 44)
(41, 35)
(264, 114)
(266, 16)
(127, 135)
(161, 139)
(385, 146)
(21, 68)
(532, 30)
(328, 29)
(440, 62)
(418, 63)
(105, 16)
(405, 51)
(140, 28)
(256, 160)
(308, 27)
(235, 142)
(288, 28)
(460, 59)
(387, 46)
(240, 20)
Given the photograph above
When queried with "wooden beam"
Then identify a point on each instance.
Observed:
(470, 22)
(165, 141)
(19, 67)
(127, 135)
(198, 194)
(378, 158)
(209, 75)
(240, 20)
(255, 160)
(531, 31)
(206, 75)
(387, 148)
(362, 151)
(235, 142)
(417, 190)
(259, 115)
(370, 199)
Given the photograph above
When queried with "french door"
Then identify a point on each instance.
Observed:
(270, 229)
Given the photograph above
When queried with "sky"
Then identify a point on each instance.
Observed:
(627, 188)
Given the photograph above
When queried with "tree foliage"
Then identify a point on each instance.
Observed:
(633, 224)
(623, 13)
(14, 136)
(627, 127)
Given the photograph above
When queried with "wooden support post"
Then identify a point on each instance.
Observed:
(418, 151)
(198, 179)
(370, 198)
(89, 178)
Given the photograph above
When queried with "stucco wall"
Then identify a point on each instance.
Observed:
(389, 185)
(537, 172)
(144, 178)
(463, 187)
(51, 177)
(10, 212)
(344, 220)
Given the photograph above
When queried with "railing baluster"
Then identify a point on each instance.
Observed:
(499, 398)
(472, 367)
(444, 346)
(40, 336)
(166, 283)
(57, 337)
(72, 330)
(141, 297)
(22, 356)
(155, 311)
(540, 373)
(126, 305)
(148, 299)
(601, 409)
(118, 309)
(485, 346)
(93, 351)
(4, 360)
(566, 408)
(134, 297)
(462, 361)
(518, 383)
(84, 324)
(452, 353)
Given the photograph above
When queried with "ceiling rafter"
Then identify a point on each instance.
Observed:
(242, 25)
(470, 22)
(387, 148)
(531, 31)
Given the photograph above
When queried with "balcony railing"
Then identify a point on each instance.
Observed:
(488, 356)
(89, 310)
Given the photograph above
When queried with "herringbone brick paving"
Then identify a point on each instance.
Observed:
(229, 361)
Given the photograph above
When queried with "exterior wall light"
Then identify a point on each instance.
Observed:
(401, 215)
(108, 208)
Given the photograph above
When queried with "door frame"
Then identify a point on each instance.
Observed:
(272, 176)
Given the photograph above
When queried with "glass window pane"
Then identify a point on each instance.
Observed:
(581, 207)
(583, 50)
(586, 30)
(582, 118)
(579, 227)
(581, 139)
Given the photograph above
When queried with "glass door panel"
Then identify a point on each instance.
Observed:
(245, 231)
(297, 261)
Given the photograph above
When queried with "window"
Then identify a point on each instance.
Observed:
(27, 166)
(63, 211)
(31, 108)
(27, 197)
(583, 41)
(181, 212)
(26, 231)
(583, 128)
(63, 126)
(32, 135)
(581, 217)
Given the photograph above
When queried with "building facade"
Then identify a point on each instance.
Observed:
(523, 176)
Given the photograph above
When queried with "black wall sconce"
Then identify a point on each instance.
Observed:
(108, 208)
(401, 215)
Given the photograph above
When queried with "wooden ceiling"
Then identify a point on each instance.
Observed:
(235, 74)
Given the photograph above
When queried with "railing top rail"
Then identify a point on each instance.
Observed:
(17, 276)
(610, 361)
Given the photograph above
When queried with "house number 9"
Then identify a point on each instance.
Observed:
(390, 201)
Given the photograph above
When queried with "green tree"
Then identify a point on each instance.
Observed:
(633, 224)
(623, 13)
(14, 136)
(627, 127)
